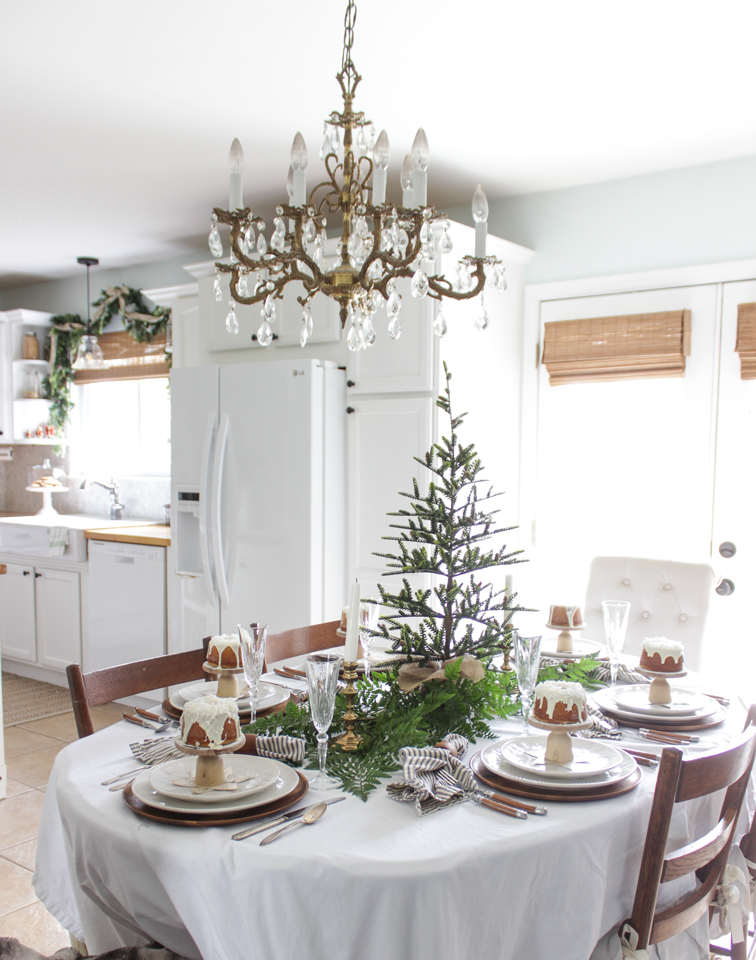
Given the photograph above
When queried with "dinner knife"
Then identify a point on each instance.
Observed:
(275, 819)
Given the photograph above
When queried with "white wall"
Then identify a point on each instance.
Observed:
(694, 215)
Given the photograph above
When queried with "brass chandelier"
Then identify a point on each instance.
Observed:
(380, 242)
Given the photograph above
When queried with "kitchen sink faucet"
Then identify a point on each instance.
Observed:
(112, 488)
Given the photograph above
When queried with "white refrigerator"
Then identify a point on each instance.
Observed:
(258, 516)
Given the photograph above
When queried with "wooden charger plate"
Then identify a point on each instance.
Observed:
(219, 820)
(689, 725)
(501, 783)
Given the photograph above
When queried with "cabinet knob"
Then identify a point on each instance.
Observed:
(350, 383)
(26, 573)
(37, 575)
(350, 409)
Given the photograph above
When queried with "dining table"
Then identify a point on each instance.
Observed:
(369, 880)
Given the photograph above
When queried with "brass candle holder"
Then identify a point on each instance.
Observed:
(349, 740)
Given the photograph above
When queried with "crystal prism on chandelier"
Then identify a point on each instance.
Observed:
(380, 242)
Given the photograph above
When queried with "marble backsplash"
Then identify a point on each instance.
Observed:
(142, 497)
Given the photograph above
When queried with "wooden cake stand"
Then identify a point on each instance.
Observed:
(564, 640)
(210, 769)
(228, 685)
(559, 741)
(660, 690)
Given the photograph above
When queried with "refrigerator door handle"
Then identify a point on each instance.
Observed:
(215, 512)
(204, 514)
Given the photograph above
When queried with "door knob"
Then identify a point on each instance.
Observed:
(727, 549)
(725, 587)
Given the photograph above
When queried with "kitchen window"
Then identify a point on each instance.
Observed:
(121, 428)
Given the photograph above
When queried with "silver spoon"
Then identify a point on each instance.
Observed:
(309, 816)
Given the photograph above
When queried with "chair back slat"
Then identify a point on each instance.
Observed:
(127, 679)
(301, 640)
(698, 854)
(704, 775)
(683, 914)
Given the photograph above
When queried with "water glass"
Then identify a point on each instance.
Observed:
(616, 615)
(527, 660)
(322, 683)
(253, 658)
(370, 611)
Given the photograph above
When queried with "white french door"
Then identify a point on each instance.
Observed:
(657, 468)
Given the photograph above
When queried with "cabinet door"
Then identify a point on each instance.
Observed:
(404, 365)
(58, 617)
(383, 436)
(18, 629)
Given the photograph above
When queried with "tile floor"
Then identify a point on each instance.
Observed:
(30, 749)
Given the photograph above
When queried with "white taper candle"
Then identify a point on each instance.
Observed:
(353, 625)
(235, 173)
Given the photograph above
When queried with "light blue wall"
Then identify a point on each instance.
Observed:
(694, 215)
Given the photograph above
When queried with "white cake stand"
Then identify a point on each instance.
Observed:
(660, 691)
(48, 510)
(564, 640)
(210, 770)
(559, 741)
(228, 685)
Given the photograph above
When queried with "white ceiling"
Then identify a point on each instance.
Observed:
(116, 118)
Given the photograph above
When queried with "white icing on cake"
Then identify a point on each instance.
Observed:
(210, 713)
(569, 610)
(561, 691)
(222, 643)
(664, 647)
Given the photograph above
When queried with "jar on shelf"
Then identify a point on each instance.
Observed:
(32, 385)
(30, 346)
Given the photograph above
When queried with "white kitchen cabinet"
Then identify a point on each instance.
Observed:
(58, 607)
(383, 436)
(19, 414)
(40, 618)
(18, 618)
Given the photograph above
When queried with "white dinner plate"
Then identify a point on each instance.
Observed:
(286, 782)
(262, 773)
(276, 695)
(580, 648)
(265, 691)
(493, 761)
(605, 698)
(590, 758)
(685, 703)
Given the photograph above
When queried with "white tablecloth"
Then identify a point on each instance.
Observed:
(370, 880)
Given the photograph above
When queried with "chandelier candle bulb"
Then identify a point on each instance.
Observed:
(353, 625)
(381, 155)
(407, 177)
(420, 159)
(480, 216)
(235, 173)
(299, 166)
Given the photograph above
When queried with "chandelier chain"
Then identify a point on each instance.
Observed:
(347, 64)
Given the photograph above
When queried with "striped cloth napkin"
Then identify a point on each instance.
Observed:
(625, 674)
(432, 778)
(274, 748)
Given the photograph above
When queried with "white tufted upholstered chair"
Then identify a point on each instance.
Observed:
(669, 599)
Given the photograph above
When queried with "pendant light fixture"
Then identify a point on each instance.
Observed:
(89, 355)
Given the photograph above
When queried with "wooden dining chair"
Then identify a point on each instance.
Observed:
(679, 780)
(739, 951)
(302, 640)
(127, 679)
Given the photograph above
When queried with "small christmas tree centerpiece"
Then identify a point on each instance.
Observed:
(444, 533)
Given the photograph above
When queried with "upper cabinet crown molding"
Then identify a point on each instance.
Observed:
(26, 316)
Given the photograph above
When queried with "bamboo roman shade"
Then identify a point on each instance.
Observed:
(128, 359)
(617, 348)
(745, 345)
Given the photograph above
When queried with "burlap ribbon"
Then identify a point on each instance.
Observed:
(120, 294)
(54, 339)
(411, 676)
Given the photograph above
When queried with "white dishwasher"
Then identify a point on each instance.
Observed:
(127, 604)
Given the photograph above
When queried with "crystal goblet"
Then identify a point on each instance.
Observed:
(370, 611)
(616, 616)
(527, 652)
(322, 683)
(253, 657)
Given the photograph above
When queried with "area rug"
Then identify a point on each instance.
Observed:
(25, 699)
